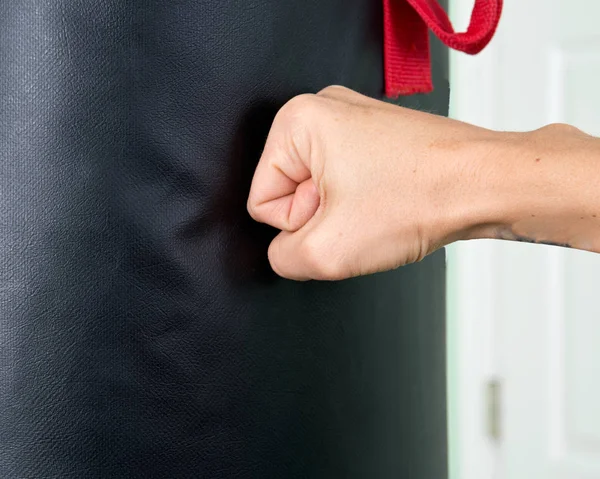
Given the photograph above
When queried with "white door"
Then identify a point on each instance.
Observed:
(527, 315)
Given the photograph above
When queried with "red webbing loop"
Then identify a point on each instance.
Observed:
(406, 39)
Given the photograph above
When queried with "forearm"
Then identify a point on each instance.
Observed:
(540, 187)
(358, 186)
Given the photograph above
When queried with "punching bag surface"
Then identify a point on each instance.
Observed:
(142, 332)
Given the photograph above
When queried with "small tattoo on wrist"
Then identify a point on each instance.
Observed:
(526, 239)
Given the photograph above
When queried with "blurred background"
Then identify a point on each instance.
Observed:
(524, 320)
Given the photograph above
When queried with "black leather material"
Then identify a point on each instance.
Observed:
(142, 333)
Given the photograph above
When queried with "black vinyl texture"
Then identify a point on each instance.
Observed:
(142, 332)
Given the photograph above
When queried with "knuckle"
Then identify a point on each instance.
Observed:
(319, 259)
(273, 256)
(254, 209)
(251, 208)
(296, 122)
(332, 90)
(299, 109)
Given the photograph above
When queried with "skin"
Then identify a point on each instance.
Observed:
(357, 186)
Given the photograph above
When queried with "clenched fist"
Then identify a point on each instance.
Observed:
(358, 186)
(355, 185)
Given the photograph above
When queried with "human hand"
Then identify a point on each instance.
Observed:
(357, 185)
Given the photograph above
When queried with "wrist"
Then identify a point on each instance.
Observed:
(478, 199)
(499, 190)
(534, 187)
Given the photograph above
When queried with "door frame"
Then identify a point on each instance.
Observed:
(471, 316)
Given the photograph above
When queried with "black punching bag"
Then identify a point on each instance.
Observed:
(142, 332)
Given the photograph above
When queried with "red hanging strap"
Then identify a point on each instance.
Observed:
(406, 39)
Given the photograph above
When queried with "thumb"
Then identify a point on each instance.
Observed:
(288, 212)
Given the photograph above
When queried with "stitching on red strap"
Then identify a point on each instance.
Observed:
(406, 39)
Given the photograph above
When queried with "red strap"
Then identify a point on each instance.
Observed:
(406, 39)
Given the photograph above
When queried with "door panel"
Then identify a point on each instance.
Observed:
(542, 301)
